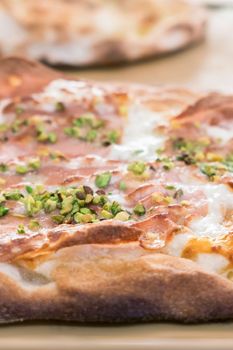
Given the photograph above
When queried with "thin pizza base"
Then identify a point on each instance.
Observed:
(100, 274)
(103, 34)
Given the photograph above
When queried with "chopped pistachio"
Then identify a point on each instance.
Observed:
(168, 199)
(167, 163)
(106, 214)
(209, 170)
(3, 210)
(112, 137)
(29, 189)
(13, 195)
(59, 107)
(88, 198)
(137, 167)
(34, 163)
(50, 205)
(139, 209)
(34, 225)
(3, 167)
(84, 218)
(3, 127)
(58, 219)
(85, 211)
(17, 124)
(103, 180)
(122, 216)
(31, 205)
(21, 229)
(21, 169)
(19, 109)
(115, 208)
(88, 190)
(179, 193)
(186, 158)
(170, 187)
(44, 136)
(91, 135)
(122, 186)
(66, 205)
(52, 137)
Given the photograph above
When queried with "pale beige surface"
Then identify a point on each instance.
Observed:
(140, 337)
(206, 66)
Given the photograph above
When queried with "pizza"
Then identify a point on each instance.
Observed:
(116, 200)
(93, 32)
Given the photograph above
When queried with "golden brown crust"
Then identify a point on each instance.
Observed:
(133, 31)
(100, 274)
(107, 284)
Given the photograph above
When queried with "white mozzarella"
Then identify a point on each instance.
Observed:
(177, 244)
(67, 91)
(140, 140)
(218, 132)
(219, 199)
(212, 262)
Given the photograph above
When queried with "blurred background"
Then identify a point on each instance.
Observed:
(205, 64)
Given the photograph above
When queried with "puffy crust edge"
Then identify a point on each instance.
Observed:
(114, 284)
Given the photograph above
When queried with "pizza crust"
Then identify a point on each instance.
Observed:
(110, 280)
(116, 284)
(130, 32)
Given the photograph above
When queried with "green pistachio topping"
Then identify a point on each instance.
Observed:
(85, 127)
(19, 109)
(17, 125)
(3, 167)
(34, 163)
(209, 170)
(45, 136)
(111, 137)
(122, 186)
(65, 205)
(178, 193)
(34, 225)
(21, 169)
(89, 128)
(21, 229)
(3, 210)
(139, 209)
(3, 127)
(166, 162)
(122, 216)
(103, 180)
(59, 107)
(138, 168)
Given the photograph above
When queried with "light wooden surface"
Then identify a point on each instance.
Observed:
(207, 66)
(138, 337)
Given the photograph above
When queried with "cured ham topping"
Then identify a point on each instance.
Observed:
(81, 164)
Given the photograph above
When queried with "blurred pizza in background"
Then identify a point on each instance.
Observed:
(93, 32)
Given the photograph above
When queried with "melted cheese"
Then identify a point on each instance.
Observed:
(67, 91)
(140, 140)
(220, 133)
(219, 199)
